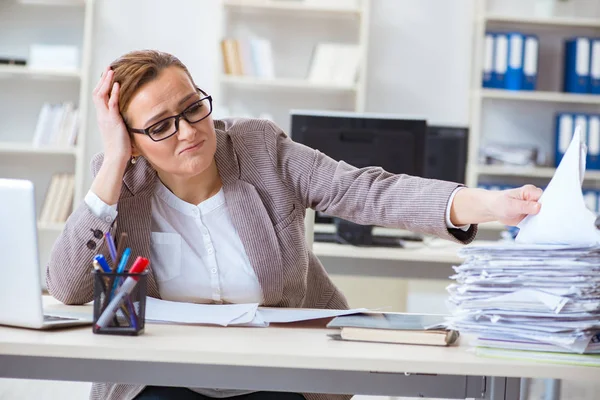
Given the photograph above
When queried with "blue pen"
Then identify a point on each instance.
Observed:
(111, 247)
(102, 262)
(120, 270)
(123, 262)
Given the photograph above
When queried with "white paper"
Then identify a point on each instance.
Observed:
(233, 314)
(564, 217)
(285, 315)
(190, 313)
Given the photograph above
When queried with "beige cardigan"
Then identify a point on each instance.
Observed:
(269, 181)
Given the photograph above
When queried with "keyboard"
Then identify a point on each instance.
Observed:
(54, 318)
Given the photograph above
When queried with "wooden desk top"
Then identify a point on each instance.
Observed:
(279, 347)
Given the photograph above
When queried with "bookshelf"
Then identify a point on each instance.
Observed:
(525, 117)
(292, 31)
(25, 89)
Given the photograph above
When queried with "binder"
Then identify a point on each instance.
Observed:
(564, 131)
(514, 72)
(593, 142)
(488, 60)
(577, 65)
(500, 60)
(595, 67)
(530, 62)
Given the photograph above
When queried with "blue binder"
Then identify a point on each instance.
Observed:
(500, 60)
(577, 65)
(514, 71)
(565, 124)
(488, 60)
(530, 62)
(593, 142)
(595, 67)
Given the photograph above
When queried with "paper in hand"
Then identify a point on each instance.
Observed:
(563, 217)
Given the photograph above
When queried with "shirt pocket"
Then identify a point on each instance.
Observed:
(166, 255)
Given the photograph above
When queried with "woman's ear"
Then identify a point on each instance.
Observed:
(135, 152)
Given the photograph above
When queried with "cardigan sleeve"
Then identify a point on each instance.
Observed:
(368, 196)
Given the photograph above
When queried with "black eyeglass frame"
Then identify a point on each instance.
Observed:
(177, 117)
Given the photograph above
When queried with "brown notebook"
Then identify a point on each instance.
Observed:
(423, 329)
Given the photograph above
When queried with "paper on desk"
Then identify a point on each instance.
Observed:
(286, 315)
(233, 314)
(564, 217)
(190, 313)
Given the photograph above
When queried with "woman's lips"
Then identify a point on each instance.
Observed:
(193, 147)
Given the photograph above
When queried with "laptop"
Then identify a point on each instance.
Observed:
(20, 283)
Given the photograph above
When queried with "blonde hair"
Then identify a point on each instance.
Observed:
(134, 69)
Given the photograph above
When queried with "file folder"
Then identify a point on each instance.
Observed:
(577, 65)
(564, 130)
(514, 71)
(595, 67)
(530, 62)
(500, 60)
(593, 142)
(488, 60)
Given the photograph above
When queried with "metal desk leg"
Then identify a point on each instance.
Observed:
(525, 385)
(552, 389)
(503, 388)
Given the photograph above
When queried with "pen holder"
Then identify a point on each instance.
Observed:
(119, 303)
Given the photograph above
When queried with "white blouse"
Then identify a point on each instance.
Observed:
(196, 254)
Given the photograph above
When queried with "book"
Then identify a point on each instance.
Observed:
(421, 329)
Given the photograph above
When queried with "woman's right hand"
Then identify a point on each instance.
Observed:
(115, 137)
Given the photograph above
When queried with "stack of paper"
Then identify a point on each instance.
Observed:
(541, 294)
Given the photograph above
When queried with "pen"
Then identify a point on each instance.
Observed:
(105, 287)
(120, 270)
(139, 266)
(99, 258)
(121, 245)
(111, 247)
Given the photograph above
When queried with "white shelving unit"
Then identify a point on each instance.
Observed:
(524, 117)
(23, 91)
(294, 28)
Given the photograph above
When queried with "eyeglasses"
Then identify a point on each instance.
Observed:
(165, 128)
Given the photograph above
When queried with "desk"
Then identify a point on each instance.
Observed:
(281, 358)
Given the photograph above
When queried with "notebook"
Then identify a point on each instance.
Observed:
(421, 329)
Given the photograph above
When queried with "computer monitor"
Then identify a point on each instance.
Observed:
(446, 153)
(397, 144)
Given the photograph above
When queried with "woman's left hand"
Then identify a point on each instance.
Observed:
(510, 206)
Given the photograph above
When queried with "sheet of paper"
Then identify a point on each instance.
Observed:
(564, 217)
(286, 315)
(190, 313)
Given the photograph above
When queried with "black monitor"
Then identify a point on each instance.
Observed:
(398, 145)
(446, 153)
(363, 140)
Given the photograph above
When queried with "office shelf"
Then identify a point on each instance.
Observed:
(25, 148)
(552, 97)
(283, 84)
(546, 22)
(282, 6)
(24, 71)
(527, 172)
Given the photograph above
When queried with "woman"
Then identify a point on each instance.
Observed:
(219, 205)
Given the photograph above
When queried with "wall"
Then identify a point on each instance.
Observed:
(420, 59)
